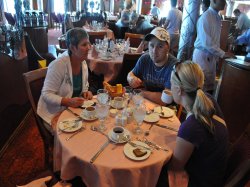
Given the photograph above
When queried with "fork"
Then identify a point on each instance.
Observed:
(80, 130)
(162, 112)
(155, 145)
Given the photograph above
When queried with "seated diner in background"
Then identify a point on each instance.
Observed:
(66, 83)
(153, 69)
(202, 144)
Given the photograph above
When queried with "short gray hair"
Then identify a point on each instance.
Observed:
(74, 36)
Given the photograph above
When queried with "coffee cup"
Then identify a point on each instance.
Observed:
(167, 96)
(117, 133)
(118, 102)
(90, 112)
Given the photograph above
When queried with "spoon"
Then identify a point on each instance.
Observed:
(93, 128)
(146, 133)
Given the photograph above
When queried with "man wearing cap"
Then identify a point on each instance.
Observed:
(153, 69)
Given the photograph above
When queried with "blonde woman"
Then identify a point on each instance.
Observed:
(202, 141)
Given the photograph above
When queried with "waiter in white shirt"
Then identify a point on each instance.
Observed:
(207, 45)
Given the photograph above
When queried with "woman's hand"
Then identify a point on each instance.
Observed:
(72, 102)
(87, 95)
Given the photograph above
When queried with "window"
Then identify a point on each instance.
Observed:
(59, 6)
(9, 6)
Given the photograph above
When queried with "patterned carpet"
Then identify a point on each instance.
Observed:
(23, 160)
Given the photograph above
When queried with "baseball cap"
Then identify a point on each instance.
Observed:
(159, 33)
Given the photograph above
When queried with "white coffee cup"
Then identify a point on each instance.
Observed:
(167, 96)
(118, 102)
(117, 133)
(89, 112)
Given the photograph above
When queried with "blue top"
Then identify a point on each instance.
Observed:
(154, 78)
(77, 84)
(207, 164)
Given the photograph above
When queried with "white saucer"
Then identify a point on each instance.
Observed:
(152, 118)
(88, 118)
(88, 103)
(126, 133)
(112, 104)
(167, 111)
(67, 125)
(128, 151)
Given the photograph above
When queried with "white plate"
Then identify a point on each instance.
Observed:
(126, 133)
(128, 151)
(152, 118)
(167, 111)
(112, 104)
(88, 103)
(106, 58)
(70, 125)
(88, 118)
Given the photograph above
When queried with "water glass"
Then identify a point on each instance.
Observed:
(102, 112)
(128, 93)
(139, 114)
(103, 96)
(137, 97)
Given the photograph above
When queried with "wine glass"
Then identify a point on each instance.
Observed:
(139, 114)
(103, 96)
(137, 97)
(102, 112)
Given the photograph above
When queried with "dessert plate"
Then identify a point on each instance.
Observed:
(164, 112)
(128, 151)
(152, 118)
(70, 125)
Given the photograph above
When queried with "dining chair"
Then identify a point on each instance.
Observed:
(128, 63)
(238, 169)
(135, 39)
(34, 81)
(96, 35)
(33, 55)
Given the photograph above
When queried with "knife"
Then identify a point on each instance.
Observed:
(75, 114)
(166, 127)
(99, 152)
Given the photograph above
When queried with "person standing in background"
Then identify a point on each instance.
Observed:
(207, 44)
(173, 26)
(243, 22)
(155, 11)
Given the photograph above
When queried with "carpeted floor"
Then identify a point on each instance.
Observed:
(23, 159)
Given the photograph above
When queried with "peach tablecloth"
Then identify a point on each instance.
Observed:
(108, 68)
(110, 33)
(112, 167)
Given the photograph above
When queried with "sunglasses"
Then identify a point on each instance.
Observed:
(175, 72)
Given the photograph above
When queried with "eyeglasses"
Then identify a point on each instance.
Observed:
(175, 72)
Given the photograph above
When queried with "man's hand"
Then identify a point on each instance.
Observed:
(229, 55)
(134, 81)
(87, 95)
(72, 102)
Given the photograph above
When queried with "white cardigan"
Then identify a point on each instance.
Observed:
(58, 84)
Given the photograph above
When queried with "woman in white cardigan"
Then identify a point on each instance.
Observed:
(66, 83)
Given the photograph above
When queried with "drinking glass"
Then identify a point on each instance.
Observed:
(103, 96)
(118, 103)
(139, 115)
(137, 97)
(102, 112)
(128, 94)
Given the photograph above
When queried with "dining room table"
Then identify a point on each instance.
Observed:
(116, 165)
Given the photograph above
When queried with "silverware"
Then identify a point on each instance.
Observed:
(166, 127)
(99, 152)
(140, 146)
(93, 128)
(75, 114)
(73, 126)
(155, 145)
(80, 130)
(162, 112)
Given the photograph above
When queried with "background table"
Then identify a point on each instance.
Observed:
(112, 167)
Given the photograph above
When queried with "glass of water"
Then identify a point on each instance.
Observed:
(102, 112)
(103, 96)
(139, 114)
